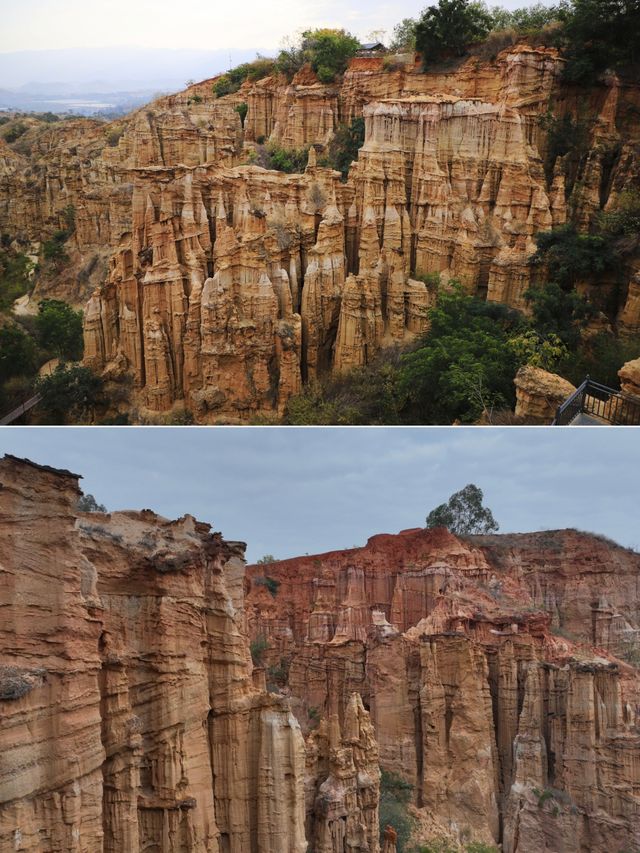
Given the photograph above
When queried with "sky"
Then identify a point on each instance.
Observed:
(157, 45)
(195, 24)
(293, 491)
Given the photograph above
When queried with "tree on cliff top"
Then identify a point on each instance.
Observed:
(328, 51)
(447, 29)
(87, 503)
(464, 513)
(600, 34)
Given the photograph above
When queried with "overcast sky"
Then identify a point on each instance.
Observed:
(46, 24)
(292, 491)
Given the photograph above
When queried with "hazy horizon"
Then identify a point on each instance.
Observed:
(146, 44)
(292, 491)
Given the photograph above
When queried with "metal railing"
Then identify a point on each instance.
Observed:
(600, 402)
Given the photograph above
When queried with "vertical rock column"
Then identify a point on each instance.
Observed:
(344, 790)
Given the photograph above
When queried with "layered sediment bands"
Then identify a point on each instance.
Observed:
(230, 285)
(539, 393)
(496, 671)
(130, 716)
(343, 787)
(629, 375)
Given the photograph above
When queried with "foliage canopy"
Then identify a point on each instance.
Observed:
(447, 29)
(464, 513)
(59, 329)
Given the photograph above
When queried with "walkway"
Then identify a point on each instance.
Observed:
(17, 413)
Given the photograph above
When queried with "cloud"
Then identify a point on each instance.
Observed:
(45, 24)
(289, 491)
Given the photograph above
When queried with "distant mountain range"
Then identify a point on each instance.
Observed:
(106, 80)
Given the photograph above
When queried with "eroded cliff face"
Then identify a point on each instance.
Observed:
(131, 717)
(497, 670)
(230, 285)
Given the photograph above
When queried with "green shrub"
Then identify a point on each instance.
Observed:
(395, 796)
(559, 312)
(48, 117)
(114, 135)
(59, 329)
(623, 219)
(11, 134)
(365, 395)
(14, 277)
(69, 394)
(464, 365)
(494, 42)
(328, 51)
(69, 218)
(17, 353)
(525, 20)
(258, 647)
(566, 135)
(53, 250)
(599, 35)
(344, 147)
(570, 256)
(601, 357)
(279, 673)
(272, 585)
(404, 35)
(447, 29)
(286, 159)
(230, 82)
(242, 110)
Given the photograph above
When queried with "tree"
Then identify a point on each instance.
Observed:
(328, 51)
(17, 353)
(448, 28)
(525, 19)
(242, 109)
(69, 394)
(464, 366)
(59, 329)
(53, 250)
(344, 147)
(570, 256)
(404, 35)
(464, 513)
(395, 798)
(87, 503)
(268, 558)
(559, 312)
(15, 269)
(600, 34)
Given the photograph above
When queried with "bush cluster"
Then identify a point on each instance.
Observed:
(344, 147)
(285, 159)
(230, 82)
(15, 131)
(258, 647)
(463, 368)
(395, 796)
(328, 51)
(594, 34)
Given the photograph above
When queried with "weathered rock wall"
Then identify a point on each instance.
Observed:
(131, 717)
(488, 665)
(230, 285)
